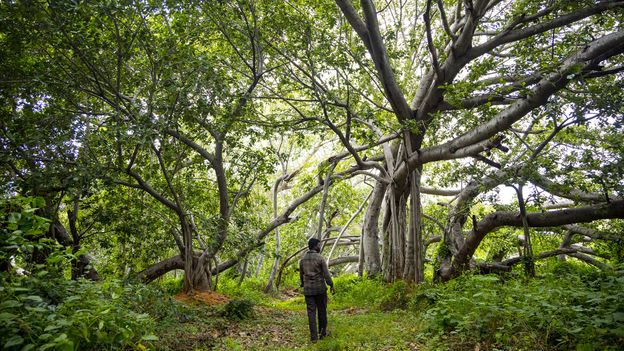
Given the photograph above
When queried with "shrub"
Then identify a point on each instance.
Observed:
(250, 289)
(54, 313)
(40, 308)
(563, 311)
(397, 297)
(353, 291)
(238, 309)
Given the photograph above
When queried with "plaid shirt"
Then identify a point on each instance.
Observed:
(313, 274)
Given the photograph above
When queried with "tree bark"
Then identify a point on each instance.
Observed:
(529, 265)
(394, 236)
(269, 285)
(414, 264)
(371, 257)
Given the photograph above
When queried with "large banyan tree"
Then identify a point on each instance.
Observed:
(429, 98)
(474, 95)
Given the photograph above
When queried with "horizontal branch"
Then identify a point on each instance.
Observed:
(546, 219)
(341, 260)
(439, 192)
(160, 268)
(559, 21)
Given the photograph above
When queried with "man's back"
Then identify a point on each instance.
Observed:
(314, 274)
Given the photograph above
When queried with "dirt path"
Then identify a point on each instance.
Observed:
(283, 326)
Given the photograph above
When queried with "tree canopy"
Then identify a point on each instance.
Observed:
(408, 136)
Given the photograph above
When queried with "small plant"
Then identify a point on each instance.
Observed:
(397, 297)
(239, 309)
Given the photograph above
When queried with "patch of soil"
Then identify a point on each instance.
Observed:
(353, 310)
(272, 328)
(287, 294)
(210, 298)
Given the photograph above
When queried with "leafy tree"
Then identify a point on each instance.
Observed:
(500, 86)
(158, 122)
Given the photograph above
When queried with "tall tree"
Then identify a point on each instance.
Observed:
(490, 87)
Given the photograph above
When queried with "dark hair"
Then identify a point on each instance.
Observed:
(312, 243)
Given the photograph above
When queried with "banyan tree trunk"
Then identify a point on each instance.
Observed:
(394, 236)
(414, 263)
(371, 259)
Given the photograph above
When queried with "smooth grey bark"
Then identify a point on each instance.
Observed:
(414, 269)
(393, 259)
(371, 258)
(346, 226)
(270, 282)
(321, 212)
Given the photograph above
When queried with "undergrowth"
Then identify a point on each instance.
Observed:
(48, 312)
(567, 308)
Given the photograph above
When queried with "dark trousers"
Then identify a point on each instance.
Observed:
(316, 303)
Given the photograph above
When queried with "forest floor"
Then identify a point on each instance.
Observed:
(280, 323)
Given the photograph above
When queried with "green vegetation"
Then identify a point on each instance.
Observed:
(41, 309)
(163, 165)
(567, 307)
(52, 313)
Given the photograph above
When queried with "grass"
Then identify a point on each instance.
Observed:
(279, 322)
(566, 308)
(285, 328)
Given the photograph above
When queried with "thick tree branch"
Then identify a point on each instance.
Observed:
(585, 59)
(495, 220)
(370, 35)
(193, 145)
(515, 35)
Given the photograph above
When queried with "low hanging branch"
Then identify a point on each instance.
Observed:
(344, 229)
(495, 220)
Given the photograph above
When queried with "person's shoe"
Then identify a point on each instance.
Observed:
(326, 334)
(313, 341)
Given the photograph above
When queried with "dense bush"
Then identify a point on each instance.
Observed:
(47, 312)
(355, 291)
(42, 309)
(565, 309)
(250, 289)
(238, 309)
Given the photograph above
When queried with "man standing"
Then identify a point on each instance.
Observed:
(313, 274)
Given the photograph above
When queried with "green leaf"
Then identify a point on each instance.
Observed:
(34, 298)
(14, 341)
(9, 304)
(68, 345)
(61, 338)
(6, 317)
(150, 338)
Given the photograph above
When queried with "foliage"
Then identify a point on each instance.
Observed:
(42, 309)
(249, 289)
(21, 231)
(238, 309)
(353, 291)
(48, 312)
(171, 285)
(565, 309)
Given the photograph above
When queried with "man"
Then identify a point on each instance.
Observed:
(313, 274)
